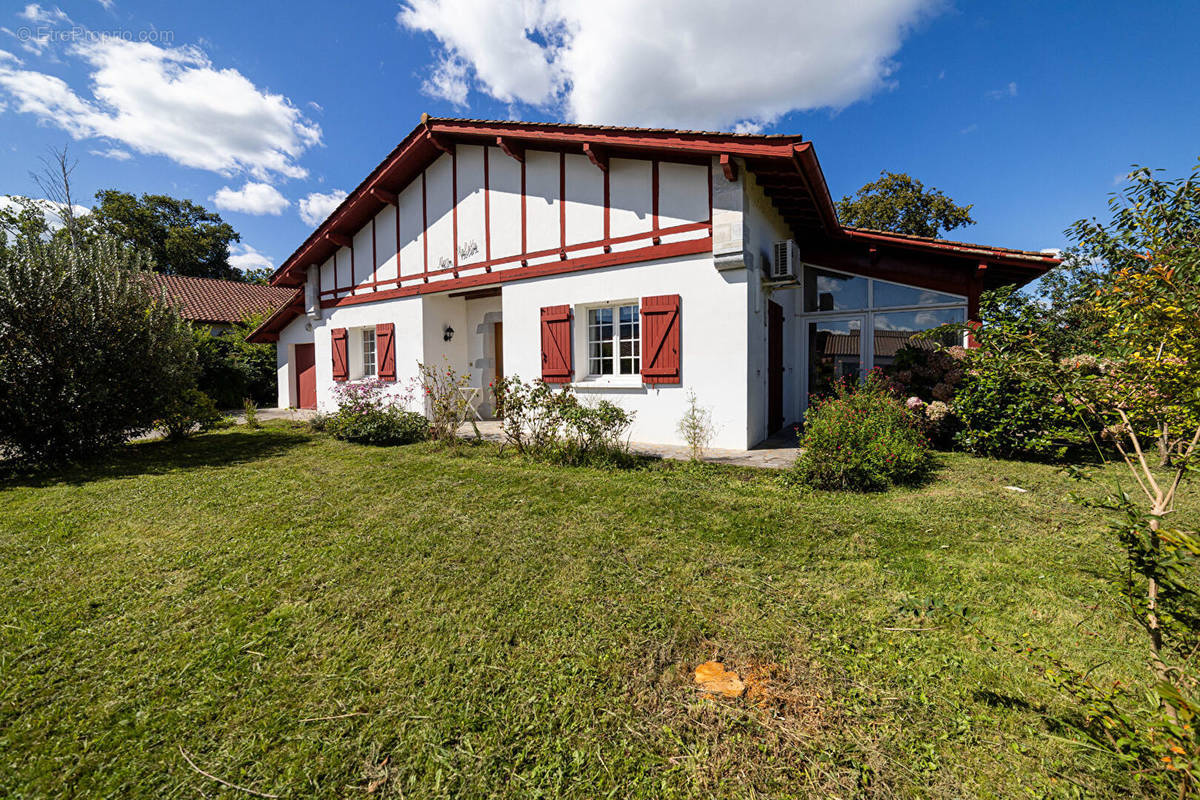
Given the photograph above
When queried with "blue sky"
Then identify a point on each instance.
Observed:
(1031, 111)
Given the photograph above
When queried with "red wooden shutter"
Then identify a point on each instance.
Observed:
(556, 344)
(341, 360)
(385, 351)
(660, 338)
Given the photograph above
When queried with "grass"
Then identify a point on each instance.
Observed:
(308, 618)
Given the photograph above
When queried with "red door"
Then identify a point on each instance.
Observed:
(774, 366)
(306, 375)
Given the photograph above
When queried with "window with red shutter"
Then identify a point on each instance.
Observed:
(556, 345)
(660, 339)
(341, 360)
(385, 351)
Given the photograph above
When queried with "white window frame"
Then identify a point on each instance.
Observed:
(584, 349)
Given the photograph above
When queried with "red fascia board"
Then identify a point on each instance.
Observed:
(1041, 263)
(805, 159)
(269, 330)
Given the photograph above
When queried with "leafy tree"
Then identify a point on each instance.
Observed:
(900, 203)
(183, 238)
(1139, 384)
(87, 356)
(232, 370)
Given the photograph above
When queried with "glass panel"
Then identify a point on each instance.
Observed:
(834, 352)
(894, 332)
(629, 340)
(368, 353)
(893, 294)
(829, 291)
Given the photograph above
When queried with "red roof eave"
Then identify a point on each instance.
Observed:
(269, 330)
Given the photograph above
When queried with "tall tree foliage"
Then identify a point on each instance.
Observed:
(88, 356)
(900, 203)
(182, 238)
(1136, 378)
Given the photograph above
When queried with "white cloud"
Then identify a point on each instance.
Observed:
(252, 198)
(448, 81)
(687, 63)
(246, 257)
(1007, 91)
(40, 16)
(170, 102)
(108, 4)
(316, 207)
(115, 153)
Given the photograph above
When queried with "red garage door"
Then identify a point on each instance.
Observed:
(306, 376)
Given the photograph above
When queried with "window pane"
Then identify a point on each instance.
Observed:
(834, 352)
(893, 294)
(829, 291)
(368, 353)
(894, 331)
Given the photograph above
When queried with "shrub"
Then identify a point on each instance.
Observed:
(862, 438)
(445, 401)
(696, 427)
(367, 414)
(554, 425)
(88, 357)
(189, 412)
(1006, 415)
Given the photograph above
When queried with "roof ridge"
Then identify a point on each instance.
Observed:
(591, 126)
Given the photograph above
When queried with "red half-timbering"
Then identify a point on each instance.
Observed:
(784, 167)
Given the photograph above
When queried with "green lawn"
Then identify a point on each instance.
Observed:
(476, 625)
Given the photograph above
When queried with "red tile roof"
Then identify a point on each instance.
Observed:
(965, 248)
(212, 300)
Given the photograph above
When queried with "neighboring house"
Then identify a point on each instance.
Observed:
(633, 264)
(219, 304)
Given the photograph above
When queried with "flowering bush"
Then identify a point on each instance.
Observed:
(936, 420)
(928, 374)
(367, 414)
(862, 438)
(554, 424)
(446, 403)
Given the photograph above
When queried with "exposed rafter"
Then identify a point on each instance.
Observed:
(338, 239)
(596, 155)
(729, 167)
(384, 195)
(511, 149)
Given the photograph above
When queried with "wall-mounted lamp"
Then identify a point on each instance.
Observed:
(448, 334)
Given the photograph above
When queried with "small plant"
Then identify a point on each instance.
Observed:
(368, 414)
(696, 427)
(862, 438)
(250, 409)
(446, 402)
(191, 411)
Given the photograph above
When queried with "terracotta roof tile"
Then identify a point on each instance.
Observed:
(212, 300)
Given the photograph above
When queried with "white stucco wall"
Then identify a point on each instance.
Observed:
(712, 342)
(762, 227)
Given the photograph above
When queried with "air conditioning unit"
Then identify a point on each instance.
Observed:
(785, 265)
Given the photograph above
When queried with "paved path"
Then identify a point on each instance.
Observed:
(778, 452)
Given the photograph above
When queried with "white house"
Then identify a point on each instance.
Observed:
(634, 264)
